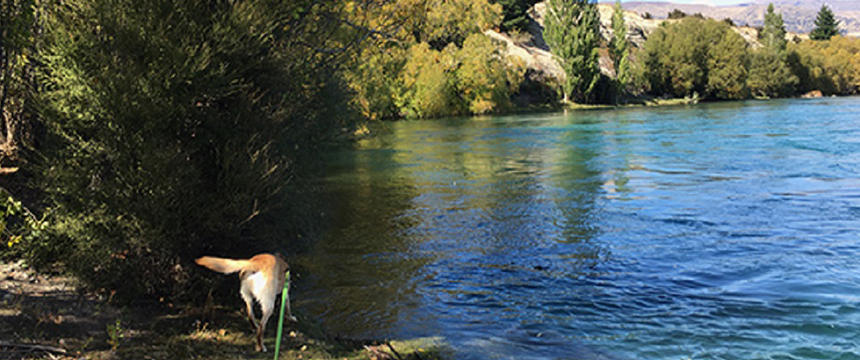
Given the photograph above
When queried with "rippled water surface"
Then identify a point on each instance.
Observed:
(717, 231)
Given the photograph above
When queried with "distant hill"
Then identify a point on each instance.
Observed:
(836, 5)
(799, 15)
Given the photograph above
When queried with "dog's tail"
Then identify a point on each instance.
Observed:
(221, 265)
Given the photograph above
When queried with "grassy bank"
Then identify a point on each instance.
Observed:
(44, 316)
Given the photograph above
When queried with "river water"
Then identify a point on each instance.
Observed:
(715, 231)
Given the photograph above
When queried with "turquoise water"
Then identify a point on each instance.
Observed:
(716, 231)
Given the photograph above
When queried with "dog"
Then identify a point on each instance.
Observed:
(262, 278)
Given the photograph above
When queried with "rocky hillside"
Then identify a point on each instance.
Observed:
(799, 16)
(535, 53)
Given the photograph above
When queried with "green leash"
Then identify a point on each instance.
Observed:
(284, 300)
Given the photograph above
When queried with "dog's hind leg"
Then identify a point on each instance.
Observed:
(267, 306)
(249, 309)
(289, 312)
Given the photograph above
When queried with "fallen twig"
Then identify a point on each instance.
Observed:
(33, 347)
(394, 351)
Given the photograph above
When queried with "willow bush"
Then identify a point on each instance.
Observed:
(432, 59)
(176, 129)
(831, 66)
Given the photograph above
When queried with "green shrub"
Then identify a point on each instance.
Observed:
(770, 75)
(487, 79)
(175, 128)
(832, 66)
(695, 56)
(427, 82)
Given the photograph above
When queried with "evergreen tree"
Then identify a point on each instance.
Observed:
(676, 14)
(515, 13)
(826, 25)
(773, 33)
(573, 34)
(618, 47)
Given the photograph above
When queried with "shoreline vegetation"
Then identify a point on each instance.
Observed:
(137, 135)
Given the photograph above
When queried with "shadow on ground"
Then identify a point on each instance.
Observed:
(45, 317)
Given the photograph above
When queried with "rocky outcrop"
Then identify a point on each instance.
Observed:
(537, 58)
(536, 53)
(533, 50)
(812, 94)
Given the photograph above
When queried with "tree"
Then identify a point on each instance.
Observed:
(618, 47)
(176, 127)
(573, 35)
(696, 56)
(676, 56)
(770, 75)
(826, 25)
(515, 14)
(373, 79)
(451, 21)
(676, 14)
(414, 72)
(484, 78)
(833, 66)
(727, 67)
(427, 83)
(17, 21)
(773, 33)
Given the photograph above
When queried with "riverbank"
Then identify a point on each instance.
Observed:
(650, 101)
(45, 316)
(635, 102)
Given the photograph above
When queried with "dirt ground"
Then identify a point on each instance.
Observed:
(45, 317)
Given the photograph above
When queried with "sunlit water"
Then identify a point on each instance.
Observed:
(716, 231)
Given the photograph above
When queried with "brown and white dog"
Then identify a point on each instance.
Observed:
(262, 278)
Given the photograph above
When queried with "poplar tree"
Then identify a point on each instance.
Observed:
(573, 35)
(826, 25)
(769, 74)
(618, 47)
(773, 32)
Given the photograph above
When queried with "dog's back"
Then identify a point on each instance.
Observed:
(262, 277)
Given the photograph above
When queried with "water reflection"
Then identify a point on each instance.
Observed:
(713, 231)
(429, 216)
(359, 267)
